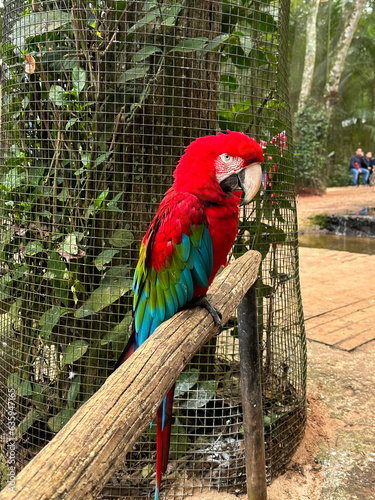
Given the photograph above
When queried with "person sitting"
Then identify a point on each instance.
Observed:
(358, 166)
(369, 162)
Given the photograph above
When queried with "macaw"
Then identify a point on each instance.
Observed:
(188, 241)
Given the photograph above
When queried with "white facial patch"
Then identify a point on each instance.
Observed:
(226, 165)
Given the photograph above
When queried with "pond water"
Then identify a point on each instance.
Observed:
(347, 232)
(338, 242)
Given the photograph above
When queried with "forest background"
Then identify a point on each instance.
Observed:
(332, 87)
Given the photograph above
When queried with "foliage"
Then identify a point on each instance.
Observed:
(310, 138)
(319, 220)
(67, 249)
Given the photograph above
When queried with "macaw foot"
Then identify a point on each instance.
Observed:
(215, 313)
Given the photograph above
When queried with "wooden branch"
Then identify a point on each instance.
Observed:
(83, 456)
(251, 390)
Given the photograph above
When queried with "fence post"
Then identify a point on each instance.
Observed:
(252, 397)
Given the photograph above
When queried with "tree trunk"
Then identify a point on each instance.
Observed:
(338, 60)
(181, 106)
(310, 53)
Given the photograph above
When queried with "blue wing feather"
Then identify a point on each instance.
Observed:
(170, 302)
(181, 291)
(190, 260)
(188, 281)
(144, 331)
(198, 272)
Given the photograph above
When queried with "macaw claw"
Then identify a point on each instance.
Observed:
(215, 313)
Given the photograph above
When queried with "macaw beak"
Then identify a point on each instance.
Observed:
(250, 179)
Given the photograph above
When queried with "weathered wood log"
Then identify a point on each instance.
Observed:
(251, 390)
(88, 450)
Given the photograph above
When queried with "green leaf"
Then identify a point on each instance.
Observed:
(102, 158)
(48, 275)
(204, 392)
(145, 52)
(63, 196)
(112, 204)
(14, 310)
(14, 381)
(104, 258)
(267, 23)
(73, 391)
(186, 381)
(120, 332)
(114, 273)
(102, 196)
(46, 213)
(25, 389)
(169, 18)
(57, 422)
(229, 81)
(33, 248)
(13, 179)
(190, 45)
(216, 42)
(266, 421)
(49, 319)
(78, 79)
(85, 159)
(37, 23)
(238, 57)
(6, 237)
(70, 244)
(71, 122)
(40, 396)
(22, 387)
(179, 440)
(103, 296)
(121, 238)
(246, 43)
(149, 18)
(139, 71)
(74, 351)
(54, 60)
(56, 268)
(27, 422)
(57, 95)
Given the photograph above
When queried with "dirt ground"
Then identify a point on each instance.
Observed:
(336, 459)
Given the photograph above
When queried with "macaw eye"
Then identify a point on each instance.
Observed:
(226, 158)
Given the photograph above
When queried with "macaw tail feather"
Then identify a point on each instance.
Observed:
(163, 437)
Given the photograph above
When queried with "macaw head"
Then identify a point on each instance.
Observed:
(215, 167)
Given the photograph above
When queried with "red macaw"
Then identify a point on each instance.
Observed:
(188, 241)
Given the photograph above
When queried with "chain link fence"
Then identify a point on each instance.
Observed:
(99, 100)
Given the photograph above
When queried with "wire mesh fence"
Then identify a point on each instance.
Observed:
(99, 100)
